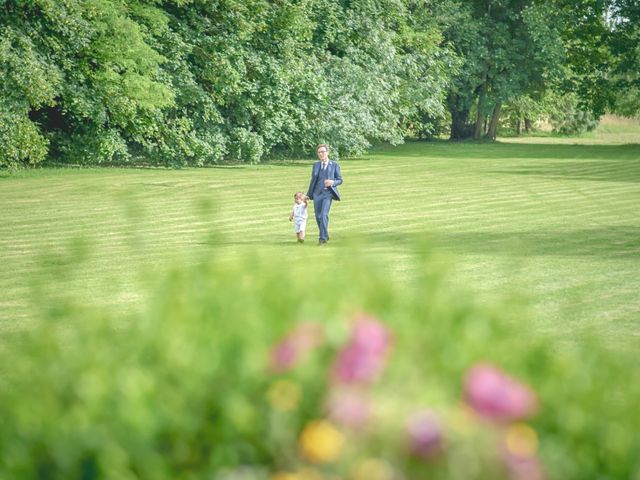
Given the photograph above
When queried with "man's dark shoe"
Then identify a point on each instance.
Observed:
(321, 242)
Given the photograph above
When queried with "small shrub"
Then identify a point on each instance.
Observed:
(569, 119)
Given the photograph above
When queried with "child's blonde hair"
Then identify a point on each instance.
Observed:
(302, 194)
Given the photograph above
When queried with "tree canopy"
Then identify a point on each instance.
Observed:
(197, 82)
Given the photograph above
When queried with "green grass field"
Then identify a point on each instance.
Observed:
(552, 221)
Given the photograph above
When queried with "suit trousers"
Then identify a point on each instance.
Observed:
(321, 206)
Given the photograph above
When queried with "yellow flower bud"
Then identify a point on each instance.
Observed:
(304, 474)
(521, 440)
(321, 442)
(284, 476)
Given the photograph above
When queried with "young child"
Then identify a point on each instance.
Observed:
(299, 214)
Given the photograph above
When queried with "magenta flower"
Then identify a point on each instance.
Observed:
(425, 434)
(494, 395)
(295, 346)
(348, 407)
(363, 357)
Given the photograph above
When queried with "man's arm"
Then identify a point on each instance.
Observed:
(311, 183)
(337, 178)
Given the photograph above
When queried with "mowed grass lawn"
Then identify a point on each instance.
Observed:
(553, 221)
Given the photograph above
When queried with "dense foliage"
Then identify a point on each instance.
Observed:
(196, 82)
(237, 370)
(625, 17)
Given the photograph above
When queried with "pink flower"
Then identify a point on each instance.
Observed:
(369, 334)
(348, 407)
(362, 359)
(284, 355)
(425, 434)
(493, 394)
(524, 467)
(295, 346)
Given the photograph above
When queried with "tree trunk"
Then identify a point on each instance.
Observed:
(459, 118)
(480, 116)
(493, 125)
(459, 127)
(527, 125)
(519, 127)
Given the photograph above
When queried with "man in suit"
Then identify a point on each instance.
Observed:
(325, 178)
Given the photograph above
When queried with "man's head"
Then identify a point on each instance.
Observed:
(323, 152)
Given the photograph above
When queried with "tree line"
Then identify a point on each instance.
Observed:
(199, 82)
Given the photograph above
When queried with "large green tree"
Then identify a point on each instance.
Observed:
(624, 19)
(586, 40)
(282, 77)
(509, 49)
(82, 81)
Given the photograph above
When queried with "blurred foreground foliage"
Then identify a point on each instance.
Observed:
(236, 370)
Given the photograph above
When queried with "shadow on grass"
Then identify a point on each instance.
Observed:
(497, 150)
(610, 171)
(612, 242)
(290, 163)
(257, 242)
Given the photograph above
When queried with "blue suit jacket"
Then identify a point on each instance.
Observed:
(333, 173)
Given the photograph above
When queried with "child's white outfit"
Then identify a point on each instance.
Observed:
(299, 213)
